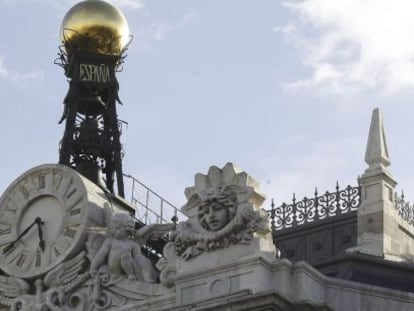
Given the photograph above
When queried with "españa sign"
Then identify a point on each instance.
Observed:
(94, 73)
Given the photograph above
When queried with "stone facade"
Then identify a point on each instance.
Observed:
(222, 257)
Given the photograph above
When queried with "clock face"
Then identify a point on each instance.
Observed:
(56, 195)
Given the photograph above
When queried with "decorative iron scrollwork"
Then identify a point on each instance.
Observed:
(319, 207)
(405, 209)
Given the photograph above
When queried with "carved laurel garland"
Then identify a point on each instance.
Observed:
(190, 243)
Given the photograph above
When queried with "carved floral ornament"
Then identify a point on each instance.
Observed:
(223, 209)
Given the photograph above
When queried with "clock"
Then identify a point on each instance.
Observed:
(45, 215)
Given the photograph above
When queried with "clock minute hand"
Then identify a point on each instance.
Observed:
(40, 231)
(11, 245)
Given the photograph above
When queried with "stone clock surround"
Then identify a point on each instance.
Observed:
(70, 207)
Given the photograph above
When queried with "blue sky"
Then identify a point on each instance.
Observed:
(283, 89)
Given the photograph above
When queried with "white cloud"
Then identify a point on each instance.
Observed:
(131, 4)
(354, 44)
(17, 77)
(160, 30)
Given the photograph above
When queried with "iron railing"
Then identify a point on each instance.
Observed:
(150, 207)
(405, 209)
(308, 210)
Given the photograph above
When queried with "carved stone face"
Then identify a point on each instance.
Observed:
(213, 215)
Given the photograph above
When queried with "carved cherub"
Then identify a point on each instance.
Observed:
(121, 255)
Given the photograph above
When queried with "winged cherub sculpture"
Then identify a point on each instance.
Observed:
(122, 256)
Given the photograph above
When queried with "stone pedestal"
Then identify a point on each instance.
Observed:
(381, 231)
(377, 214)
(225, 271)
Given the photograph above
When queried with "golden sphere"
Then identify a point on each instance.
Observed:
(94, 26)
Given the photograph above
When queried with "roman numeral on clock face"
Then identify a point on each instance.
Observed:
(13, 254)
(69, 233)
(56, 180)
(38, 259)
(41, 181)
(20, 260)
(57, 248)
(71, 193)
(24, 192)
(10, 207)
(7, 251)
(75, 211)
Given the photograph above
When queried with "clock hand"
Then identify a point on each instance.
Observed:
(39, 227)
(11, 245)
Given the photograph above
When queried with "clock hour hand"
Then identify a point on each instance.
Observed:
(42, 243)
(11, 245)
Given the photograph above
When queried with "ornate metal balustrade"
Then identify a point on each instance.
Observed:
(405, 209)
(309, 210)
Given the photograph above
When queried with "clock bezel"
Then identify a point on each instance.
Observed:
(24, 199)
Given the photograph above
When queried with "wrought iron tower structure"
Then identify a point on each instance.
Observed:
(93, 37)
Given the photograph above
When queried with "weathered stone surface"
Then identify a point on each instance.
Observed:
(242, 273)
(381, 231)
(223, 210)
(255, 283)
(376, 155)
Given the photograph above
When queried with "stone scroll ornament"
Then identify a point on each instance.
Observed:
(223, 210)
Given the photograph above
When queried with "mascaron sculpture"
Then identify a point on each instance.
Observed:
(223, 210)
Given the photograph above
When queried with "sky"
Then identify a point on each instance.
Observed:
(284, 89)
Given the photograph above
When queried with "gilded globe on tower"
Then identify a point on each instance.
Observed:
(94, 26)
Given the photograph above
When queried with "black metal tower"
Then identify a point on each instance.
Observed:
(91, 141)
